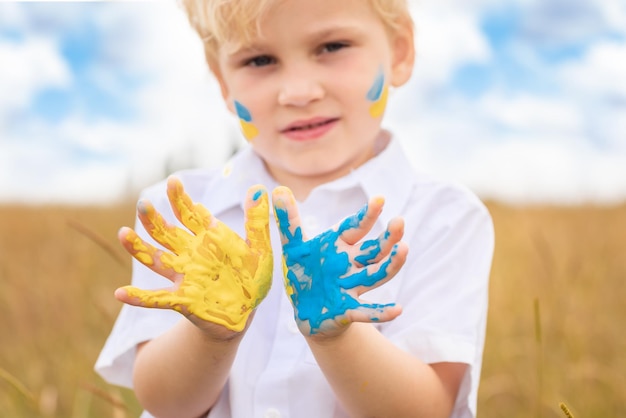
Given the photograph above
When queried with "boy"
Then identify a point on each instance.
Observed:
(308, 81)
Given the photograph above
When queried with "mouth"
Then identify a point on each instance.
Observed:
(309, 125)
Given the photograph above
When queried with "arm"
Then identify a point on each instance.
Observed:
(182, 372)
(373, 378)
(324, 278)
(218, 280)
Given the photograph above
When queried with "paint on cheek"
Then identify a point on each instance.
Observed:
(378, 94)
(245, 120)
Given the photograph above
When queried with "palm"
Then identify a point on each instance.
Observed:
(325, 275)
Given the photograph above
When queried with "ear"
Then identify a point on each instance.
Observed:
(403, 52)
(214, 67)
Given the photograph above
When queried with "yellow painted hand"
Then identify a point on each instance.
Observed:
(218, 277)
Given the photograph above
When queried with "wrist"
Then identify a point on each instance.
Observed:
(213, 334)
(324, 339)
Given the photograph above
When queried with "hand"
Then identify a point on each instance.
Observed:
(325, 276)
(218, 277)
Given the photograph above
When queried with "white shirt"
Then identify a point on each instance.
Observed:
(442, 287)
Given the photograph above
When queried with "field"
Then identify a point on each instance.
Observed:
(555, 332)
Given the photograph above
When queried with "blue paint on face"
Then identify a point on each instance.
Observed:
(376, 90)
(242, 112)
(317, 272)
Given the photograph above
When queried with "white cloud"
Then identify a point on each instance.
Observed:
(509, 144)
(525, 112)
(602, 70)
(446, 40)
(181, 119)
(614, 13)
(11, 15)
(541, 170)
(27, 67)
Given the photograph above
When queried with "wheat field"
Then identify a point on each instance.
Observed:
(555, 340)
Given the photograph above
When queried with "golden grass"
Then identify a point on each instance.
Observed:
(554, 333)
(56, 309)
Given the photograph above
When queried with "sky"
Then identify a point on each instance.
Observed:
(522, 101)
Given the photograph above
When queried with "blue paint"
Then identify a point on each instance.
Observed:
(257, 195)
(317, 272)
(243, 112)
(373, 248)
(376, 90)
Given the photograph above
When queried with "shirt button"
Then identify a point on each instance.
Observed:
(272, 413)
(227, 170)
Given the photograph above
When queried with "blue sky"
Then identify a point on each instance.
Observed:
(522, 101)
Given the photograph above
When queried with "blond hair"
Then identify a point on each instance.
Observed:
(236, 22)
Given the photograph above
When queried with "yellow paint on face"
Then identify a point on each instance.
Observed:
(378, 108)
(249, 130)
(223, 277)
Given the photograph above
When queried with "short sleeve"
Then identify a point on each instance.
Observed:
(444, 292)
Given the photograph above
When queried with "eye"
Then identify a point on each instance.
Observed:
(333, 46)
(260, 61)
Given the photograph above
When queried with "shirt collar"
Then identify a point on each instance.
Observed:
(388, 174)
(229, 187)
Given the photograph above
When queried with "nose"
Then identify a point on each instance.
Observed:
(299, 87)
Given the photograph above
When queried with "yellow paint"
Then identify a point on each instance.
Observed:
(377, 109)
(288, 287)
(142, 252)
(250, 131)
(145, 259)
(223, 277)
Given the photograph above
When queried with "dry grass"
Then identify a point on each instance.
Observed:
(56, 308)
(571, 264)
(554, 333)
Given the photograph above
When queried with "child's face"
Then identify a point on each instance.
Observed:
(308, 90)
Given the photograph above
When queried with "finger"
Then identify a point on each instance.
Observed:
(374, 312)
(145, 253)
(170, 236)
(257, 221)
(374, 250)
(353, 228)
(194, 216)
(161, 298)
(377, 274)
(287, 216)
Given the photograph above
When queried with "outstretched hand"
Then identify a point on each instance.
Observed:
(325, 276)
(218, 278)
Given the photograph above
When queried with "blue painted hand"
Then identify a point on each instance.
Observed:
(325, 275)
